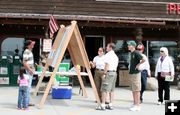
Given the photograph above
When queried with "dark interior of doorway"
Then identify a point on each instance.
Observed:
(92, 44)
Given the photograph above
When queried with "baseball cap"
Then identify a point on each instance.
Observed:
(140, 47)
(28, 42)
(133, 43)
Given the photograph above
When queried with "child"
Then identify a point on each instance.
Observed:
(23, 81)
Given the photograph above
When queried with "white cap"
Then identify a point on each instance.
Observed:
(165, 50)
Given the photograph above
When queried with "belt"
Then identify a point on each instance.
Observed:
(99, 69)
(111, 70)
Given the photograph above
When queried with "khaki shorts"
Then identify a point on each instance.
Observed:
(109, 82)
(135, 82)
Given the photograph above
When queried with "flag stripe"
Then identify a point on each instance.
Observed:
(53, 23)
(53, 26)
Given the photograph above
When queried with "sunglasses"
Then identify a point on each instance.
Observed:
(161, 51)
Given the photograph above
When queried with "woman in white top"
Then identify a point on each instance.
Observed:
(98, 63)
(164, 67)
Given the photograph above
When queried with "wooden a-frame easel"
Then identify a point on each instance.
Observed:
(67, 38)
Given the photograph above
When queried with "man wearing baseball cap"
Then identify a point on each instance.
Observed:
(136, 60)
(28, 62)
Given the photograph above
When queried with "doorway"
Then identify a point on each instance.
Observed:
(92, 43)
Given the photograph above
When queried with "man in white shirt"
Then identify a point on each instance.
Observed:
(145, 70)
(109, 77)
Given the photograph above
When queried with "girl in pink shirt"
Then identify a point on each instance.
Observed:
(23, 81)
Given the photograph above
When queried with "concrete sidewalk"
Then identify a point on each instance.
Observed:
(79, 105)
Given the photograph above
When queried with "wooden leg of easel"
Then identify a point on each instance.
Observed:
(93, 86)
(41, 104)
(40, 80)
(81, 83)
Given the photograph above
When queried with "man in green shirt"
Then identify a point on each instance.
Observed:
(135, 75)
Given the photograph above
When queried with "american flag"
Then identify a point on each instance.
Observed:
(53, 26)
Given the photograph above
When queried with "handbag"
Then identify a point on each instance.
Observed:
(164, 74)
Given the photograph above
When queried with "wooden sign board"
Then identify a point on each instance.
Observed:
(55, 45)
(67, 38)
(63, 43)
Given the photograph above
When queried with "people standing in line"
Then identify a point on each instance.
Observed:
(28, 63)
(145, 70)
(98, 63)
(136, 60)
(23, 81)
(109, 78)
(164, 67)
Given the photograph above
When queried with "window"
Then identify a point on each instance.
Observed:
(9, 45)
(122, 53)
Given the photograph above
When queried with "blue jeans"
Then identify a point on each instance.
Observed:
(29, 86)
(22, 97)
(144, 76)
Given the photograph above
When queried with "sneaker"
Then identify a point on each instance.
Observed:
(109, 107)
(26, 108)
(141, 101)
(131, 106)
(19, 108)
(163, 102)
(30, 104)
(135, 108)
(100, 108)
(159, 103)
